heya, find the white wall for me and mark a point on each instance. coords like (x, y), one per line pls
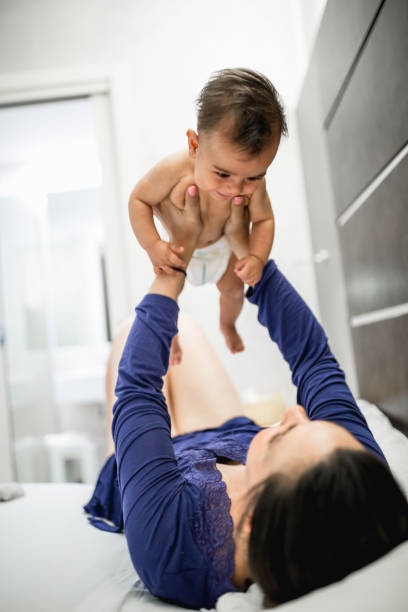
(167, 50)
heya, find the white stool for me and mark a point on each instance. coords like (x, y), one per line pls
(71, 446)
(32, 460)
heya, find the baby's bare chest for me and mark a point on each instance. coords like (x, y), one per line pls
(213, 214)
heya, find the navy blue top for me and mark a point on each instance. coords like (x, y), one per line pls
(167, 494)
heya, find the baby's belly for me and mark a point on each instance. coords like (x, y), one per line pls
(205, 240)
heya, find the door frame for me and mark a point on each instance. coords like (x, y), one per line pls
(112, 82)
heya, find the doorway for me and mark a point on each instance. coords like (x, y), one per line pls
(53, 285)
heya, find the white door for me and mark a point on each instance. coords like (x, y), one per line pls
(57, 273)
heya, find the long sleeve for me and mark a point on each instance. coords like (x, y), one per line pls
(157, 502)
(321, 386)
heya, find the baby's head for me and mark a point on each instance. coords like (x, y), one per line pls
(240, 122)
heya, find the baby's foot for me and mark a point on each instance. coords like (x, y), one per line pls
(237, 230)
(175, 352)
(232, 338)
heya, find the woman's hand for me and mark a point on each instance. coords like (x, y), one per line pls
(184, 224)
(185, 227)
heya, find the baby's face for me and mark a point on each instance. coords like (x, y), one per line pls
(224, 171)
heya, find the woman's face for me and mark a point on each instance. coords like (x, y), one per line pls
(293, 445)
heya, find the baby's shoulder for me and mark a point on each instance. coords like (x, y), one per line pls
(176, 165)
(183, 167)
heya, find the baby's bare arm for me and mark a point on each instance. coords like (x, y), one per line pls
(150, 191)
(263, 224)
(249, 269)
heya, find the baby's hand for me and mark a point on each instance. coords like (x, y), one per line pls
(164, 258)
(249, 269)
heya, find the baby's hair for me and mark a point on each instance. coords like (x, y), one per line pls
(250, 100)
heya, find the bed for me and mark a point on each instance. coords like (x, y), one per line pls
(51, 559)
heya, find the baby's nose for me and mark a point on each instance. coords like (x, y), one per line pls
(236, 188)
(248, 189)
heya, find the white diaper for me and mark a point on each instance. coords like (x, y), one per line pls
(208, 264)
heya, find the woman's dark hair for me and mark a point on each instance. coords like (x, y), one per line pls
(337, 516)
(252, 102)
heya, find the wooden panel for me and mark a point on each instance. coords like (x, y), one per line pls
(343, 29)
(329, 274)
(375, 247)
(381, 351)
(371, 122)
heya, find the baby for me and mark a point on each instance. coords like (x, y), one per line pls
(240, 122)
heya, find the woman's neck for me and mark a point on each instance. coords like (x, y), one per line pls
(235, 481)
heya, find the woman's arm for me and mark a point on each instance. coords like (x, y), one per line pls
(322, 389)
(153, 492)
(150, 483)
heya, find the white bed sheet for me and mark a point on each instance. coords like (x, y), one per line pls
(52, 560)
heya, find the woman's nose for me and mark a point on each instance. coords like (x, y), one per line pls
(295, 414)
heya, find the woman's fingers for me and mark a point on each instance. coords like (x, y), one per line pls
(174, 259)
(176, 249)
(192, 214)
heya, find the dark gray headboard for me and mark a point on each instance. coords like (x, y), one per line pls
(353, 124)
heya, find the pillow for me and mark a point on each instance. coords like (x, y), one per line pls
(393, 442)
(380, 586)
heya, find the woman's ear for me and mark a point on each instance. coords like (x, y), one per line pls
(246, 526)
(192, 139)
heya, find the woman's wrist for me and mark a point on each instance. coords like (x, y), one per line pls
(167, 285)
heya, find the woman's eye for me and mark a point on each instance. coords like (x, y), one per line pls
(254, 178)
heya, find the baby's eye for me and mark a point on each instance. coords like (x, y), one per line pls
(222, 174)
(254, 178)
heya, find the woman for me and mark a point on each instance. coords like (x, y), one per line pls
(292, 507)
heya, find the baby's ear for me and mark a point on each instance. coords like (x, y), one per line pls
(192, 139)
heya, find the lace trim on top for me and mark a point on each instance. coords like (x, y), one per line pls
(212, 523)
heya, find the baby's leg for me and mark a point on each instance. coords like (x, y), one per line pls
(231, 299)
(200, 389)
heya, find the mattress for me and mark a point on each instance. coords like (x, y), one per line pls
(52, 559)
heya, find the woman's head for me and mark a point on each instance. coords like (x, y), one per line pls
(293, 445)
(311, 529)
